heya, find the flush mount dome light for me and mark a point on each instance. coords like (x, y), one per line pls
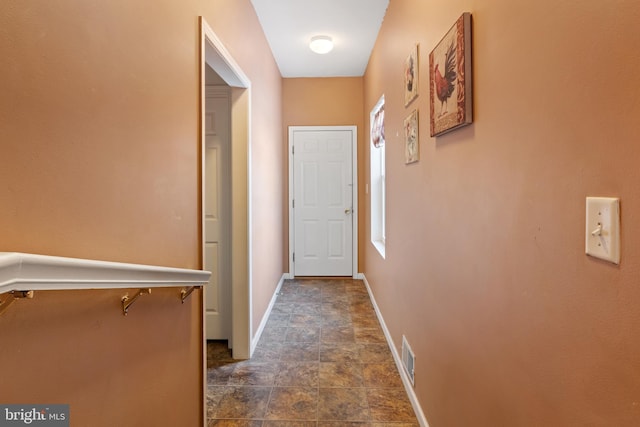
(321, 44)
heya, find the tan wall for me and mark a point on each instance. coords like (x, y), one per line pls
(321, 102)
(77, 348)
(99, 159)
(512, 325)
(99, 122)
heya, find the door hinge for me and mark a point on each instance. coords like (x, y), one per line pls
(294, 257)
(293, 203)
(293, 149)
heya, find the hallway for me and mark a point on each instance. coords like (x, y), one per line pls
(322, 361)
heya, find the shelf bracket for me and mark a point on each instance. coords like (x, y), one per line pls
(12, 297)
(126, 301)
(184, 294)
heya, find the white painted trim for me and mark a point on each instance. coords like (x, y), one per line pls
(265, 317)
(249, 221)
(19, 271)
(220, 60)
(241, 224)
(396, 357)
(292, 228)
(355, 209)
(354, 194)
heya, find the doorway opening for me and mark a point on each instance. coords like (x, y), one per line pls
(213, 54)
(216, 190)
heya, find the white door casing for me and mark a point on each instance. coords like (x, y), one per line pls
(217, 201)
(323, 201)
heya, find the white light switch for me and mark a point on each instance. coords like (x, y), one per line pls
(602, 238)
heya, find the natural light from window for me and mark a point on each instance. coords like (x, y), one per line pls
(378, 184)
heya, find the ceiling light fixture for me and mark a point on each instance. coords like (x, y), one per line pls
(321, 44)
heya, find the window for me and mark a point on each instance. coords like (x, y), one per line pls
(378, 179)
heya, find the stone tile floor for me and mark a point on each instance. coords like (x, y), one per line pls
(321, 361)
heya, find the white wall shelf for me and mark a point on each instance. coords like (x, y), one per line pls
(22, 272)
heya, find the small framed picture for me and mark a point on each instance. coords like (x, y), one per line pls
(411, 76)
(411, 140)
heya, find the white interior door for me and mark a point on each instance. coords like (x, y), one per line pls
(216, 211)
(323, 202)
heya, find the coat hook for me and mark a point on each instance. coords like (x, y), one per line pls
(184, 294)
(13, 296)
(126, 302)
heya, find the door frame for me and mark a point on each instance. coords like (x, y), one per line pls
(354, 193)
(213, 53)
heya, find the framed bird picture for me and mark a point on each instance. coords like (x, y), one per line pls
(411, 140)
(450, 79)
(411, 76)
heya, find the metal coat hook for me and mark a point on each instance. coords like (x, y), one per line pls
(184, 294)
(126, 302)
(13, 296)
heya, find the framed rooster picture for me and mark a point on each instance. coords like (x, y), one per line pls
(450, 79)
(411, 76)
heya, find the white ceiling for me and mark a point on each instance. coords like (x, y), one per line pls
(290, 24)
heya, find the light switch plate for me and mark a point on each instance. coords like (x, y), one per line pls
(602, 234)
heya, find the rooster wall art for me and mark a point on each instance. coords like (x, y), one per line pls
(450, 79)
(411, 76)
(445, 83)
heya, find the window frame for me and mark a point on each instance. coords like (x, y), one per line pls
(377, 168)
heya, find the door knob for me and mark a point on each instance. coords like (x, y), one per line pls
(347, 211)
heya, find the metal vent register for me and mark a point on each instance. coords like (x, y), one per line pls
(408, 359)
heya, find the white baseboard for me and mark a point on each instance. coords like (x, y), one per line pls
(265, 317)
(396, 357)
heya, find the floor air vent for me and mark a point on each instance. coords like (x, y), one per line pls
(408, 359)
